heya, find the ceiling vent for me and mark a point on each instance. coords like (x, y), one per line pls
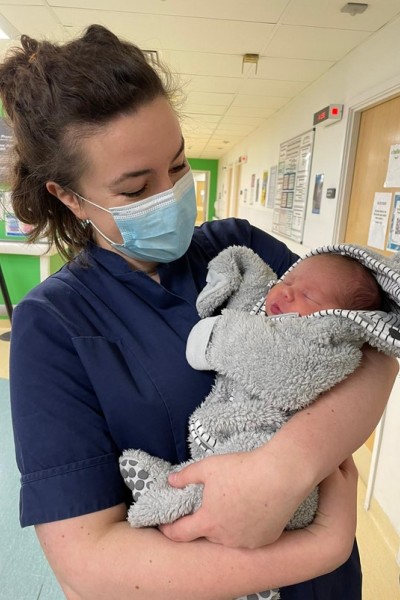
(354, 8)
(250, 59)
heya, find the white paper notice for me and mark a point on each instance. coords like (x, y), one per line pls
(393, 170)
(379, 220)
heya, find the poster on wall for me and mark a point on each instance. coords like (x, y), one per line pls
(293, 176)
(264, 188)
(6, 141)
(394, 233)
(13, 228)
(273, 172)
(252, 188)
(393, 169)
(317, 196)
(379, 220)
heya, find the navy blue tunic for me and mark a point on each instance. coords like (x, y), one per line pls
(98, 366)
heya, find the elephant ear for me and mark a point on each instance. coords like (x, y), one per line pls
(237, 278)
(379, 328)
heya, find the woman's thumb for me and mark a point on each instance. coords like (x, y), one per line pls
(187, 475)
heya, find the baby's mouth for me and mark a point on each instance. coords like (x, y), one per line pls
(275, 310)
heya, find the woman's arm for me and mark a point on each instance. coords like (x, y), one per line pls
(98, 556)
(248, 498)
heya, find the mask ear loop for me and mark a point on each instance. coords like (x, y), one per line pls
(103, 235)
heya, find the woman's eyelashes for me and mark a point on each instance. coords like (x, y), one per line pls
(178, 167)
(138, 193)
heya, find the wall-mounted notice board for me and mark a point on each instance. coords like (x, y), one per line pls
(292, 185)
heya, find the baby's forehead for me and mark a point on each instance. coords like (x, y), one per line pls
(323, 262)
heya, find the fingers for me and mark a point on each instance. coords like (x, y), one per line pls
(338, 492)
(348, 468)
(191, 474)
(185, 529)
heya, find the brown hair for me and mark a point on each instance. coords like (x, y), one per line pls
(55, 95)
(362, 291)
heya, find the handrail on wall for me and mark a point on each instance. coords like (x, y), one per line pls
(5, 294)
(7, 301)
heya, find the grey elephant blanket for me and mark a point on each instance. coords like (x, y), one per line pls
(267, 368)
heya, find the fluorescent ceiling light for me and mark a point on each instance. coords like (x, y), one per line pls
(7, 31)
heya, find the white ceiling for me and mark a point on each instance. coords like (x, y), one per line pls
(204, 41)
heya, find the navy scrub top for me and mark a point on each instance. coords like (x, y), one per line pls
(98, 366)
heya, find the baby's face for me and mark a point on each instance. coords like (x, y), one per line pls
(312, 286)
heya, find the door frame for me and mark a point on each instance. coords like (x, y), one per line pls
(349, 154)
(344, 192)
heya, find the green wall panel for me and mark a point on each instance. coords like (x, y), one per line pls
(56, 262)
(211, 165)
(21, 273)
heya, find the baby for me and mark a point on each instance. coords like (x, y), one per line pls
(323, 282)
(267, 368)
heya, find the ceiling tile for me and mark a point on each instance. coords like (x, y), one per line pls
(204, 63)
(200, 119)
(291, 69)
(327, 13)
(261, 11)
(259, 101)
(209, 98)
(202, 110)
(248, 111)
(202, 83)
(175, 33)
(36, 21)
(313, 43)
(272, 87)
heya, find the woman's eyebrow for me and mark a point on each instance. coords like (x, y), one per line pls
(141, 172)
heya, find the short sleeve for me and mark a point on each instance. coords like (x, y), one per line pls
(67, 460)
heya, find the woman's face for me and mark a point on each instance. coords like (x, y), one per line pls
(133, 157)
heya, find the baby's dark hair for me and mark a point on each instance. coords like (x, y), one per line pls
(55, 96)
(362, 291)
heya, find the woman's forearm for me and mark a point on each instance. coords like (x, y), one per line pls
(98, 556)
(284, 471)
(321, 436)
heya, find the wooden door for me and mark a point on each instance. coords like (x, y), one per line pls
(201, 189)
(379, 130)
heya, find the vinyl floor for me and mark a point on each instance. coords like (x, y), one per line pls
(25, 575)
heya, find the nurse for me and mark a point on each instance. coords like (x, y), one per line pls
(98, 353)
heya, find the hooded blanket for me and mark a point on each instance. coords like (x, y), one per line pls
(267, 368)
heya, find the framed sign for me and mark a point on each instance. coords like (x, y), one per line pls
(292, 185)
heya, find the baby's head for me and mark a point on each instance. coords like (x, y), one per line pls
(322, 282)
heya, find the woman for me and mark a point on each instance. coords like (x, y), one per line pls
(98, 352)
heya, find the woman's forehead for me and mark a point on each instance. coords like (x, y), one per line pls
(139, 140)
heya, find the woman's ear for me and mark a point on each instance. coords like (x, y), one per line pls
(68, 198)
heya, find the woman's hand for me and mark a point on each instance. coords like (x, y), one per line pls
(337, 508)
(248, 499)
(333, 528)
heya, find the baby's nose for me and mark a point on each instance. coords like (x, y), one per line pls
(289, 293)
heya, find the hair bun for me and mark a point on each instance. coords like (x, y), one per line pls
(30, 47)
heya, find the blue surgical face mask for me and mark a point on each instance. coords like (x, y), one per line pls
(159, 228)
